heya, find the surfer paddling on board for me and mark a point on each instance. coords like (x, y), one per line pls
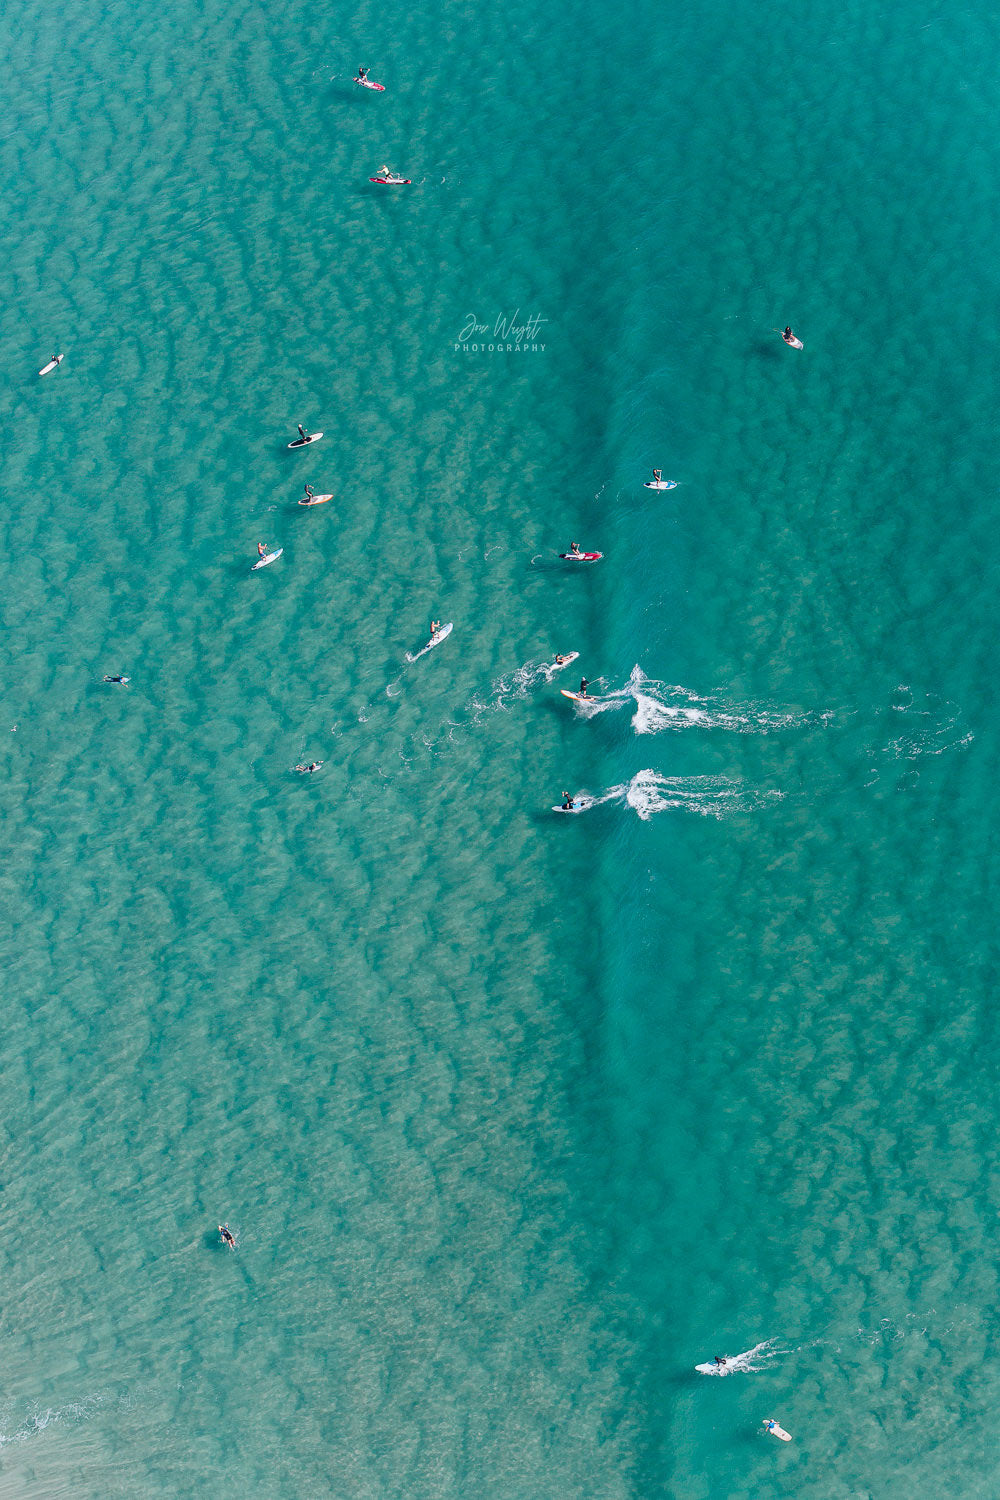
(561, 660)
(122, 680)
(227, 1236)
(435, 627)
(583, 688)
(574, 547)
(302, 433)
(261, 549)
(313, 765)
(657, 475)
(789, 336)
(309, 491)
(362, 74)
(567, 802)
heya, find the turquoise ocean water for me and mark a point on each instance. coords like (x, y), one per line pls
(518, 1117)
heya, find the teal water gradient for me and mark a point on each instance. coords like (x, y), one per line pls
(518, 1117)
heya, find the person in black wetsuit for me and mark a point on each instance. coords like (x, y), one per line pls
(583, 688)
(362, 75)
(302, 433)
(122, 680)
(568, 803)
(720, 1360)
(227, 1236)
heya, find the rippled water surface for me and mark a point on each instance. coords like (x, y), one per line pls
(517, 1117)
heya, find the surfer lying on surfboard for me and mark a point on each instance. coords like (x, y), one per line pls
(576, 554)
(227, 1236)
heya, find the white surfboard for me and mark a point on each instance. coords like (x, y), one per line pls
(315, 500)
(778, 1432)
(313, 437)
(53, 364)
(660, 484)
(576, 697)
(269, 557)
(435, 640)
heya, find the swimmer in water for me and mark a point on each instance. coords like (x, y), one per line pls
(567, 802)
(122, 680)
(227, 1236)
